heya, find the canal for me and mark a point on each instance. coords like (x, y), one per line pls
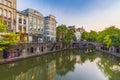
(64, 65)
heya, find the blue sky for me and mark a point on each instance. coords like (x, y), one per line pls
(91, 14)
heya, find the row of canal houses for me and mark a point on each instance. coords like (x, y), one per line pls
(29, 23)
(34, 27)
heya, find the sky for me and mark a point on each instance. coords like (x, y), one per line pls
(91, 14)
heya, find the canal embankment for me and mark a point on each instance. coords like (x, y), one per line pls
(27, 50)
(111, 50)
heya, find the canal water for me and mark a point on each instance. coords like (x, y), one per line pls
(64, 65)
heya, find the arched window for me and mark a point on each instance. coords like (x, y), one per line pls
(5, 13)
(9, 14)
(9, 4)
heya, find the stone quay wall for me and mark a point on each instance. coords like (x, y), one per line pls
(29, 48)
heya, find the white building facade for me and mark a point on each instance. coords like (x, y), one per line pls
(77, 34)
(35, 25)
(50, 28)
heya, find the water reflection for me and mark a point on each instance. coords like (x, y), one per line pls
(64, 65)
(109, 65)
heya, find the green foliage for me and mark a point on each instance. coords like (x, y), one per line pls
(2, 26)
(110, 36)
(64, 34)
(108, 31)
(8, 39)
(108, 41)
(61, 31)
(85, 35)
(115, 40)
(89, 36)
(68, 37)
(92, 35)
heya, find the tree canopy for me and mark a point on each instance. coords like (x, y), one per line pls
(6, 38)
(108, 31)
(61, 31)
(110, 36)
(64, 34)
(2, 25)
(89, 36)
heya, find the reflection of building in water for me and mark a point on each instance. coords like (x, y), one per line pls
(51, 70)
(46, 71)
(31, 69)
(78, 59)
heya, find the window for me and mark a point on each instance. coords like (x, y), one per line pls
(0, 11)
(38, 21)
(41, 29)
(30, 18)
(9, 4)
(34, 20)
(24, 22)
(24, 29)
(20, 20)
(38, 28)
(35, 27)
(9, 14)
(5, 13)
(9, 24)
(30, 26)
(20, 29)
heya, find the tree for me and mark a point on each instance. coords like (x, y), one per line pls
(92, 35)
(2, 26)
(9, 39)
(61, 31)
(68, 37)
(108, 41)
(110, 36)
(6, 39)
(108, 31)
(85, 35)
(115, 38)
